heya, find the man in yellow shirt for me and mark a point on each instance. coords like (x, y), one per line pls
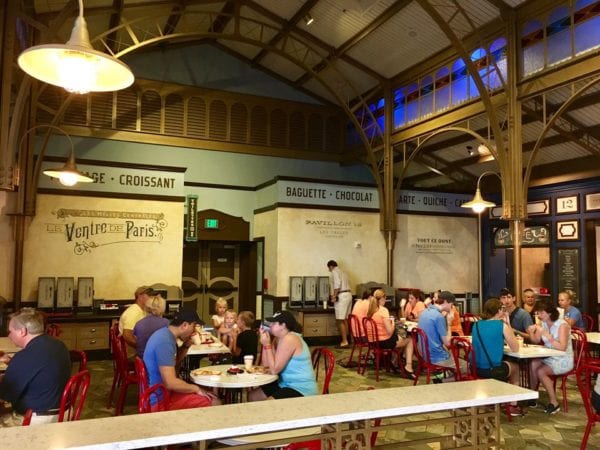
(132, 315)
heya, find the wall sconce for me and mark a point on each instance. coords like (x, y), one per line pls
(68, 175)
(478, 204)
(308, 19)
(76, 66)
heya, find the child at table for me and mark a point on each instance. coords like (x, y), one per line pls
(228, 330)
(219, 317)
(245, 341)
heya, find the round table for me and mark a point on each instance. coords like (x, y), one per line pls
(235, 383)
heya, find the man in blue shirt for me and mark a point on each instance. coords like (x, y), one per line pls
(36, 376)
(161, 356)
(436, 326)
(518, 319)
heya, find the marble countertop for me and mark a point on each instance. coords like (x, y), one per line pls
(593, 337)
(7, 346)
(164, 428)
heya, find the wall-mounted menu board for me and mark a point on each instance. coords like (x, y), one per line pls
(568, 270)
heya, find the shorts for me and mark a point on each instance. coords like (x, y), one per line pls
(390, 342)
(187, 401)
(274, 390)
(343, 306)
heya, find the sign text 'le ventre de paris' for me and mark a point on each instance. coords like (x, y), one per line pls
(366, 197)
(128, 180)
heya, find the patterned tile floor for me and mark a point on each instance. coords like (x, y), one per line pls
(535, 431)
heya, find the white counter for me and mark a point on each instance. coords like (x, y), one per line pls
(146, 430)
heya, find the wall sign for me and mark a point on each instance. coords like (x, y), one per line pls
(535, 208)
(567, 205)
(191, 229)
(536, 236)
(592, 202)
(306, 193)
(567, 230)
(568, 269)
(124, 180)
(86, 230)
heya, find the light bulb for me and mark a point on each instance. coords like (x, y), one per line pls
(68, 178)
(478, 208)
(77, 71)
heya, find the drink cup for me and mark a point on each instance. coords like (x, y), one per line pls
(402, 321)
(196, 339)
(248, 361)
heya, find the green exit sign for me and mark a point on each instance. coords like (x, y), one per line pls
(212, 224)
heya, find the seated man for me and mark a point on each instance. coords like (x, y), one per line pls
(36, 376)
(518, 318)
(438, 330)
(142, 330)
(161, 356)
(133, 315)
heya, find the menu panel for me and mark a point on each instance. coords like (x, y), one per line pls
(568, 270)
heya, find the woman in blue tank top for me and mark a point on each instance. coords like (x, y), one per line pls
(291, 360)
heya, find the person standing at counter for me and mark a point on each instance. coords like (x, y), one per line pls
(342, 298)
(162, 356)
(133, 315)
(291, 361)
(36, 376)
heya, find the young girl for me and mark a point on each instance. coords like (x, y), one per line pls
(219, 317)
(228, 330)
(245, 341)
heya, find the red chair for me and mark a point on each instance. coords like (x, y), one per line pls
(581, 355)
(72, 401)
(78, 357)
(374, 349)
(142, 375)
(462, 349)
(468, 319)
(589, 322)
(127, 375)
(53, 330)
(421, 350)
(585, 378)
(160, 393)
(359, 341)
(113, 334)
(328, 365)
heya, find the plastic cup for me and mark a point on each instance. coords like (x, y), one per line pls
(248, 361)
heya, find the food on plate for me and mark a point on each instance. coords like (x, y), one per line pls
(234, 370)
(206, 372)
(258, 369)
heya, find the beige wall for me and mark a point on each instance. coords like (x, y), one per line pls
(121, 243)
(7, 244)
(299, 242)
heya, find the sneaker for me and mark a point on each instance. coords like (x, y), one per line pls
(514, 411)
(531, 404)
(552, 409)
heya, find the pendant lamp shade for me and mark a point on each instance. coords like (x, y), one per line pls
(68, 175)
(478, 204)
(76, 66)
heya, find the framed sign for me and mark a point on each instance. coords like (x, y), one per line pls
(46, 290)
(592, 202)
(568, 269)
(567, 230)
(567, 205)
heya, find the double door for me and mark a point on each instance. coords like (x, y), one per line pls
(211, 270)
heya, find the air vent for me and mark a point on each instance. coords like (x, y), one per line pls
(238, 130)
(151, 108)
(278, 128)
(297, 130)
(217, 120)
(196, 126)
(174, 115)
(126, 110)
(101, 110)
(258, 126)
(315, 132)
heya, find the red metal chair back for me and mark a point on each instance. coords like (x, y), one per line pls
(142, 375)
(585, 377)
(157, 392)
(421, 351)
(374, 349)
(328, 358)
(78, 357)
(462, 349)
(53, 330)
(358, 340)
(468, 319)
(589, 322)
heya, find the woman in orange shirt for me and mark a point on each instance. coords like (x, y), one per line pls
(414, 307)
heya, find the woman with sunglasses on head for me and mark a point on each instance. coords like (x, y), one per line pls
(553, 333)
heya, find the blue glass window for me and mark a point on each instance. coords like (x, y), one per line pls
(532, 44)
(426, 96)
(480, 61)
(497, 73)
(558, 36)
(412, 102)
(587, 25)
(399, 108)
(460, 89)
(442, 89)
